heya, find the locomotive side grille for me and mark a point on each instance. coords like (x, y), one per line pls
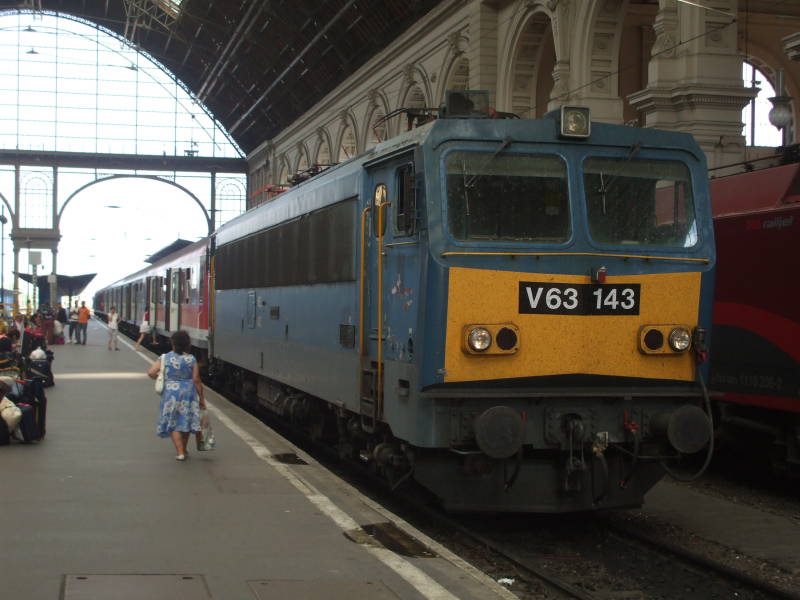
(316, 248)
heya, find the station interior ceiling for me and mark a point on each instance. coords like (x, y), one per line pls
(258, 65)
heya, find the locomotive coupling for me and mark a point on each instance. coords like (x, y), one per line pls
(686, 429)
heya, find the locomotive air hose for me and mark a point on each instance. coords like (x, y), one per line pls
(710, 452)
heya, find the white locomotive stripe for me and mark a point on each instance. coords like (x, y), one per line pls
(418, 579)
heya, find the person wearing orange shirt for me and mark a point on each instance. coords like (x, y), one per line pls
(83, 322)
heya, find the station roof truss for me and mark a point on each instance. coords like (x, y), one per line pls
(257, 65)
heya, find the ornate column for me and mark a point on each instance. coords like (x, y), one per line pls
(563, 31)
(482, 49)
(590, 33)
(695, 78)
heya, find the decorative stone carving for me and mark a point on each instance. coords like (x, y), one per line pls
(665, 45)
(456, 40)
(373, 98)
(409, 74)
(791, 46)
(666, 28)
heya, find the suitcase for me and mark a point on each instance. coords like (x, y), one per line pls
(41, 369)
(27, 426)
(31, 393)
(5, 434)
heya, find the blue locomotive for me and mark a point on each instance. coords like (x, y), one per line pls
(512, 313)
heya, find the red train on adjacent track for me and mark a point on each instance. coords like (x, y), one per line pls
(755, 358)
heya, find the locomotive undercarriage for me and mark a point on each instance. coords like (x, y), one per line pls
(745, 427)
(527, 455)
(559, 454)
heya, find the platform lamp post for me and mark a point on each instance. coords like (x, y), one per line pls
(3, 221)
(780, 115)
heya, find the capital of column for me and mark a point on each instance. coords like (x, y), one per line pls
(691, 97)
(791, 46)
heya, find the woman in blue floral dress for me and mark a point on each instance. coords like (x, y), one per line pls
(182, 396)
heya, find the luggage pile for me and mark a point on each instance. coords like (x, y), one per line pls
(23, 410)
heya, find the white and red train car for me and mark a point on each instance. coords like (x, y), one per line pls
(173, 290)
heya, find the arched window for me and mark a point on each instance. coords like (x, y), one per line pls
(36, 191)
(376, 128)
(758, 131)
(323, 153)
(283, 174)
(347, 149)
(302, 164)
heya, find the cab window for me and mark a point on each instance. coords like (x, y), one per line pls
(406, 202)
(640, 202)
(507, 197)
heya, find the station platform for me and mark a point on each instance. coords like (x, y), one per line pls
(101, 509)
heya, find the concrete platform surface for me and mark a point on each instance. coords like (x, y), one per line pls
(102, 505)
(753, 532)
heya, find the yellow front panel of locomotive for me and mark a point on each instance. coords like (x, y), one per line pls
(560, 344)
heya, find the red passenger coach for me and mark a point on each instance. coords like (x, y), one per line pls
(755, 360)
(173, 290)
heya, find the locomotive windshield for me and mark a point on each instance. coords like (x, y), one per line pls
(640, 202)
(507, 197)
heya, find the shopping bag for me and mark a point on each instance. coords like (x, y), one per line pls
(205, 439)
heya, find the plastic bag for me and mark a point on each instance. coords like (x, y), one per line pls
(205, 439)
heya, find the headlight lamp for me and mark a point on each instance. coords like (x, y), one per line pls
(680, 339)
(479, 339)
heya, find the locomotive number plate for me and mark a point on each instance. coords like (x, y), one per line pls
(578, 298)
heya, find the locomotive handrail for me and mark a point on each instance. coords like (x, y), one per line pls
(379, 385)
(602, 254)
(364, 212)
(411, 243)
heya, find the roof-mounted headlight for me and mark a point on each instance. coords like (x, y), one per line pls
(576, 121)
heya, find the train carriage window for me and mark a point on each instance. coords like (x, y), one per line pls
(640, 202)
(406, 202)
(189, 291)
(201, 282)
(507, 197)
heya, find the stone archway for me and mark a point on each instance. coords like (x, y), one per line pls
(153, 177)
(322, 156)
(529, 80)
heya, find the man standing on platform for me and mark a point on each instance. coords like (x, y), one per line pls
(73, 324)
(83, 322)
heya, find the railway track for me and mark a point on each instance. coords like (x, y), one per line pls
(608, 561)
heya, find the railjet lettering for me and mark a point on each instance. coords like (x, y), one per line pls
(778, 223)
(541, 298)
